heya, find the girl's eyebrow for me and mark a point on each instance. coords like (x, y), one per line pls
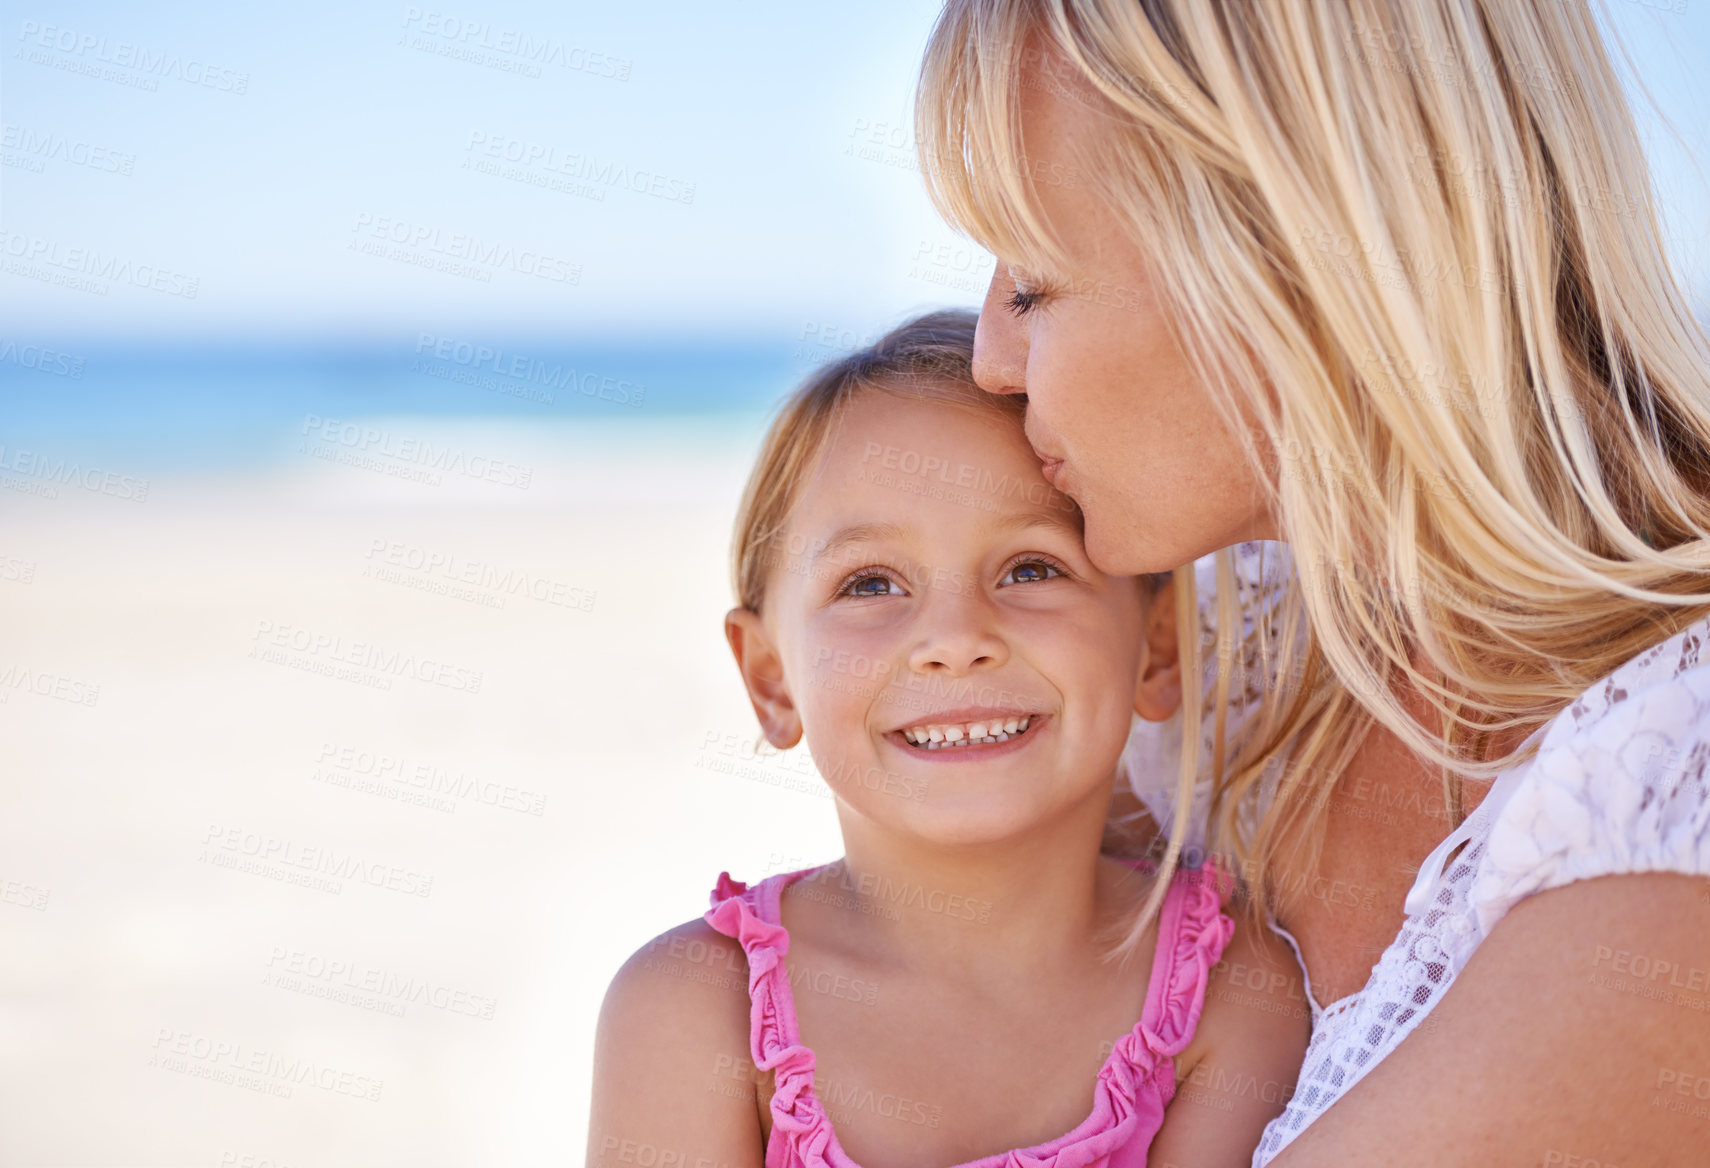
(1009, 524)
(857, 533)
(1024, 520)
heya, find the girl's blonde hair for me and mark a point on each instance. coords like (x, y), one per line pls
(1415, 242)
(929, 356)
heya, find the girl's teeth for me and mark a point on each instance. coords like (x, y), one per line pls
(939, 737)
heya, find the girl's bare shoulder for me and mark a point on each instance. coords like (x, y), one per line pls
(672, 1066)
(1256, 1014)
(690, 975)
(1239, 1070)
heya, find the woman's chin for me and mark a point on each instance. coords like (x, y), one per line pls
(1113, 551)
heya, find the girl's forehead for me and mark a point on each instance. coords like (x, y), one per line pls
(883, 441)
(908, 462)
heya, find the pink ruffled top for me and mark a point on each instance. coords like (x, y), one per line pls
(1134, 1086)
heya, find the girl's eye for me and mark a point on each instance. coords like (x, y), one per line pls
(1031, 572)
(868, 585)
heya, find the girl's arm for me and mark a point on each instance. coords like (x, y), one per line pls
(1239, 1070)
(674, 1082)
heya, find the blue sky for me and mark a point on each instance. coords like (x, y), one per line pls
(767, 141)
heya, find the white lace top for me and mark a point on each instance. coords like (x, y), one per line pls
(1618, 785)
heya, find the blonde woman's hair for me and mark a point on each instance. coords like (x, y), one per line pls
(1415, 242)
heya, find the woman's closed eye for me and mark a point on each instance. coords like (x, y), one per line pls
(1022, 301)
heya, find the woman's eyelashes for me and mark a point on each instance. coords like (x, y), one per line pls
(1021, 301)
(1028, 291)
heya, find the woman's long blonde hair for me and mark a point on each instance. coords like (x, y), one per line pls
(1415, 242)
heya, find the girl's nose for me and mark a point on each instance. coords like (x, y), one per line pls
(957, 637)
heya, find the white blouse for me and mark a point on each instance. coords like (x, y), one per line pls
(1618, 785)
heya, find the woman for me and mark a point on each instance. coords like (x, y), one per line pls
(1383, 280)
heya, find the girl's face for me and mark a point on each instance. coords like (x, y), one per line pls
(932, 588)
(1114, 409)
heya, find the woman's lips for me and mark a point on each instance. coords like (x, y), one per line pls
(1049, 468)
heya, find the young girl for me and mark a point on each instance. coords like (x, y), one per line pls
(916, 602)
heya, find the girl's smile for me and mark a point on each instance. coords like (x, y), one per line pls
(956, 737)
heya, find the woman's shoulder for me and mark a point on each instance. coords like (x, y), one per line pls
(1620, 783)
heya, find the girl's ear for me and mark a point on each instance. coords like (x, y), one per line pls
(1158, 688)
(763, 673)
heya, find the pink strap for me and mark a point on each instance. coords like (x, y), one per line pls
(751, 916)
(1192, 932)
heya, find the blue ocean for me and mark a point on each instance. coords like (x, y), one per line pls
(196, 408)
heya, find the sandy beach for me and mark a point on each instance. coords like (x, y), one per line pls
(340, 793)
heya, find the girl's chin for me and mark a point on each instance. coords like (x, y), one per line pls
(970, 820)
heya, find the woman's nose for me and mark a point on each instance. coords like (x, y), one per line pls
(1000, 341)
